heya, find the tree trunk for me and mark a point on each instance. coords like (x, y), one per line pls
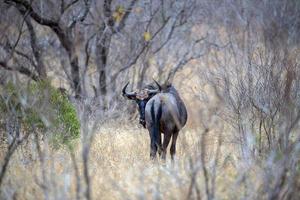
(41, 69)
(68, 44)
(102, 50)
(142, 74)
(64, 35)
(75, 75)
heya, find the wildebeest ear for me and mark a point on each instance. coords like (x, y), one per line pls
(157, 84)
(167, 83)
(151, 92)
(129, 95)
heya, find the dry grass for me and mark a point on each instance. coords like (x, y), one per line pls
(120, 168)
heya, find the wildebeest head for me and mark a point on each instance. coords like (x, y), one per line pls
(141, 97)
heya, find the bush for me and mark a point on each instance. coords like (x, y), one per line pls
(41, 108)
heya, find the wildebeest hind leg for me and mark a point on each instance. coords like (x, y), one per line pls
(166, 141)
(155, 143)
(153, 148)
(173, 145)
(159, 145)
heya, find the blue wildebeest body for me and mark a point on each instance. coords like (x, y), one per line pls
(164, 113)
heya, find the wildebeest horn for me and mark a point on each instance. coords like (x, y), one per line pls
(130, 95)
(155, 91)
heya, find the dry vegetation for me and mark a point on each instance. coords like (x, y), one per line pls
(120, 168)
(67, 133)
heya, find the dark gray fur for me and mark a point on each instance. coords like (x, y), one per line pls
(165, 113)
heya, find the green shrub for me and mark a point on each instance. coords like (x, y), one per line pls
(41, 107)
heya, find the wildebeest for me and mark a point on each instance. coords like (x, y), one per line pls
(161, 111)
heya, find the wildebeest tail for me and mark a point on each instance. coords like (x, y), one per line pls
(155, 116)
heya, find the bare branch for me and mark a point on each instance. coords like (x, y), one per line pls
(22, 70)
(40, 67)
(25, 6)
(126, 15)
(131, 62)
(70, 5)
(15, 143)
(62, 6)
(81, 17)
(26, 56)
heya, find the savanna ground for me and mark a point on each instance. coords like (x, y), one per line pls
(210, 163)
(214, 160)
(120, 167)
(119, 160)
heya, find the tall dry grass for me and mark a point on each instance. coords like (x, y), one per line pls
(208, 165)
(120, 168)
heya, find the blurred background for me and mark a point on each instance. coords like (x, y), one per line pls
(66, 132)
